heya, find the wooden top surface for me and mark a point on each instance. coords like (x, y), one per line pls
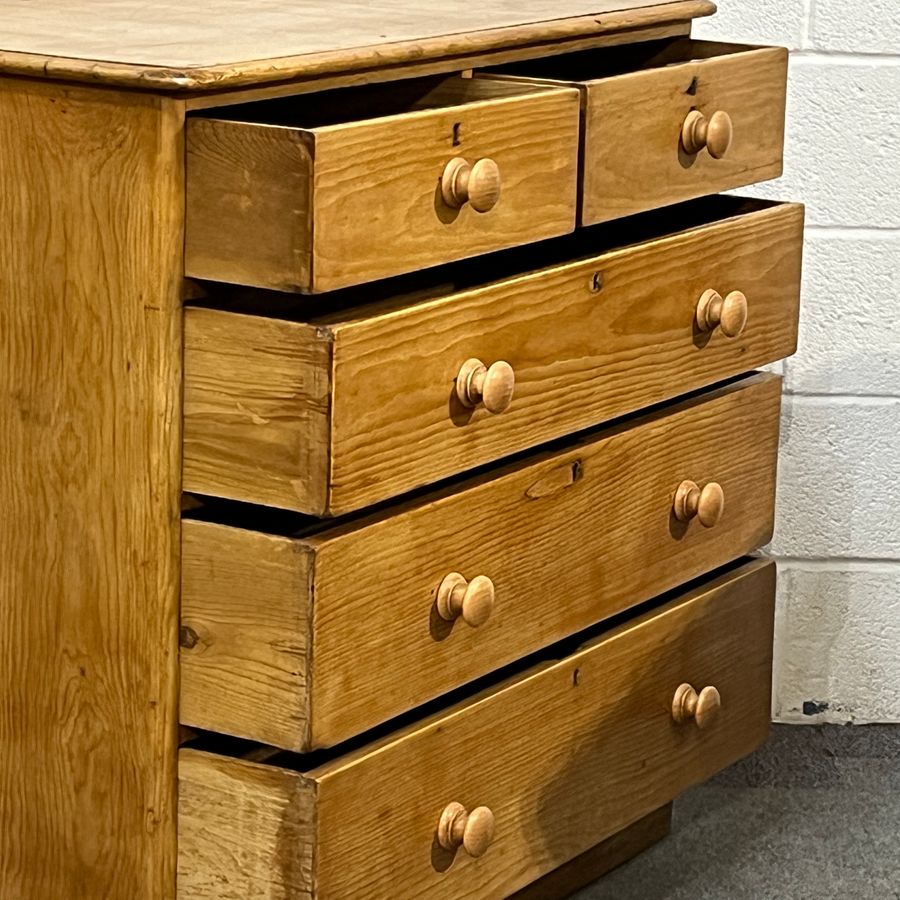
(179, 45)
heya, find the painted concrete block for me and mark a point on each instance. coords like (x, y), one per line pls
(869, 27)
(849, 323)
(837, 643)
(839, 478)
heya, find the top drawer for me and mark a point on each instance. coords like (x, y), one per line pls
(670, 120)
(327, 190)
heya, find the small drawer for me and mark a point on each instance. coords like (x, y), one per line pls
(317, 192)
(302, 639)
(328, 414)
(482, 798)
(669, 120)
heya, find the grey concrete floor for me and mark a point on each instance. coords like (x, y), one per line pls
(813, 815)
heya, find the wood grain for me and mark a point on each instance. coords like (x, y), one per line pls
(589, 747)
(256, 406)
(632, 123)
(636, 102)
(249, 203)
(580, 357)
(91, 206)
(378, 647)
(259, 646)
(318, 208)
(244, 831)
(399, 71)
(203, 45)
(596, 862)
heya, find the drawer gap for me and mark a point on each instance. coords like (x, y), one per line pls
(595, 64)
(342, 106)
(387, 295)
(287, 523)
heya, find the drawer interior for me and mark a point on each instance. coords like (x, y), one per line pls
(594, 65)
(344, 106)
(383, 296)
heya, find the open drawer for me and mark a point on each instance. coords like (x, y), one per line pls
(302, 634)
(329, 412)
(534, 770)
(321, 191)
(670, 120)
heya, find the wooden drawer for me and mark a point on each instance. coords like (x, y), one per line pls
(332, 413)
(561, 756)
(317, 192)
(641, 150)
(304, 640)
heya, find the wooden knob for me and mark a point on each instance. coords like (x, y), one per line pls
(729, 315)
(473, 831)
(714, 133)
(707, 504)
(472, 600)
(493, 386)
(477, 185)
(702, 708)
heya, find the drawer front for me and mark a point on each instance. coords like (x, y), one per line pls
(587, 341)
(547, 547)
(561, 756)
(325, 207)
(634, 156)
(669, 120)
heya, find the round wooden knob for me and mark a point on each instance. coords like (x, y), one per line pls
(493, 386)
(714, 133)
(473, 601)
(729, 315)
(473, 831)
(707, 504)
(478, 185)
(702, 708)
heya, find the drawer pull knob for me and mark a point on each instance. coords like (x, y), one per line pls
(702, 708)
(473, 600)
(478, 185)
(707, 504)
(473, 831)
(714, 133)
(491, 385)
(728, 314)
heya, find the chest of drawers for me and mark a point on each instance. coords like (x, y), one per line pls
(383, 445)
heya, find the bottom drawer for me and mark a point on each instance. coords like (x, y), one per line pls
(554, 759)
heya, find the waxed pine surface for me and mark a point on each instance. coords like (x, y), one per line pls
(188, 33)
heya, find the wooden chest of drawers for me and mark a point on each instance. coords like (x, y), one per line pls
(383, 443)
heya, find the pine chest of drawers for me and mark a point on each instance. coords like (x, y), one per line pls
(383, 446)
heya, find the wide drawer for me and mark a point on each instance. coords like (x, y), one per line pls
(317, 192)
(331, 413)
(669, 120)
(556, 759)
(304, 640)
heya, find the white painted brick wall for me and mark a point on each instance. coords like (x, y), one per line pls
(837, 535)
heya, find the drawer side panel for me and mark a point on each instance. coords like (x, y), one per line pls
(257, 409)
(244, 830)
(245, 620)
